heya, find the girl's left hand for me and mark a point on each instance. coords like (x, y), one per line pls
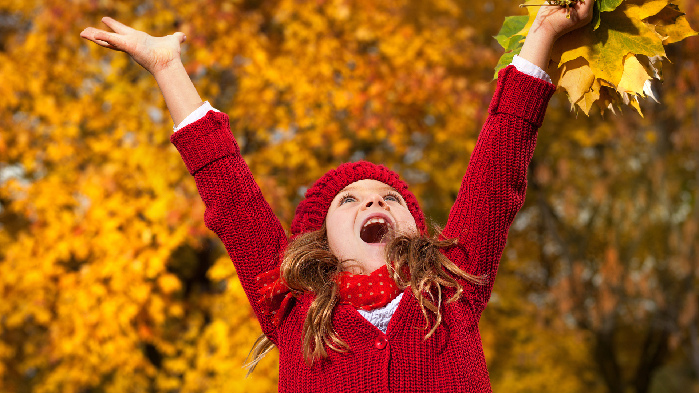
(557, 21)
(550, 24)
(152, 53)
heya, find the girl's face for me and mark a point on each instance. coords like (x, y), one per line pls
(358, 218)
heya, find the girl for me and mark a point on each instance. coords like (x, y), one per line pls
(360, 298)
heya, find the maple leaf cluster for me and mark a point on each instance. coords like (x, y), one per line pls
(613, 60)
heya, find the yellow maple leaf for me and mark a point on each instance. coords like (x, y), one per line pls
(630, 28)
(621, 32)
(671, 23)
(677, 31)
(645, 9)
(576, 79)
(590, 97)
(634, 77)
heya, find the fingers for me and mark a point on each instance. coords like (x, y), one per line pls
(180, 36)
(101, 38)
(111, 38)
(583, 12)
(116, 25)
(584, 9)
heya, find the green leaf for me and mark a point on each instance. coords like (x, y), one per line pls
(596, 20)
(515, 44)
(511, 26)
(513, 49)
(608, 5)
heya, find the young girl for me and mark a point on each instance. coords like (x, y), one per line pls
(361, 298)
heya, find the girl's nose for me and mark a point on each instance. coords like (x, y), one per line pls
(375, 200)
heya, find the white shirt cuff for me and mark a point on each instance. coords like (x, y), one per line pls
(527, 67)
(196, 115)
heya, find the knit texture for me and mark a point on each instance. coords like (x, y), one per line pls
(400, 360)
(311, 212)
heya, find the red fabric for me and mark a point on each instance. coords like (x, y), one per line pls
(276, 298)
(361, 291)
(367, 292)
(491, 193)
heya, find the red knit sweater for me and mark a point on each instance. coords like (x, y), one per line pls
(401, 360)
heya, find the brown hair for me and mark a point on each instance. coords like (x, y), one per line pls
(308, 265)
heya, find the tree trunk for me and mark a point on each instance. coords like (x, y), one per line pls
(655, 349)
(605, 355)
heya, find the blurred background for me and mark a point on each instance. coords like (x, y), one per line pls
(111, 283)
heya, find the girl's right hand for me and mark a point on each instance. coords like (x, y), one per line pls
(152, 53)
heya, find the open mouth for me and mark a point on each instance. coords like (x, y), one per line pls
(374, 230)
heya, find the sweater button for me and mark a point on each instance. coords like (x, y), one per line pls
(380, 342)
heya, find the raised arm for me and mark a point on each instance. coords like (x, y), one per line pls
(494, 186)
(235, 208)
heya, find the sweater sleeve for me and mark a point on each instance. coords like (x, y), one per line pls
(493, 188)
(196, 115)
(235, 208)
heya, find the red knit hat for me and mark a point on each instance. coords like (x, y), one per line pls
(311, 212)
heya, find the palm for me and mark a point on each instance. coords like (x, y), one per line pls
(152, 53)
(155, 53)
(561, 21)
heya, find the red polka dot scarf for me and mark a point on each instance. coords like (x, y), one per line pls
(364, 292)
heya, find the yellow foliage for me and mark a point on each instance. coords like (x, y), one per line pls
(102, 239)
(110, 280)
(610, 48)
(577, 79)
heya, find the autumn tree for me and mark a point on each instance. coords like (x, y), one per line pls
(607, 243)
(110, 281)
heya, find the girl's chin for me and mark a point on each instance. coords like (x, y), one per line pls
(375, 250)
(375, 244)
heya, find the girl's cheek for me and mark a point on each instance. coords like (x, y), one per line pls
(407, 226)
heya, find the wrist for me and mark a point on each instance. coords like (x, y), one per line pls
(180, 95)
(537, 51)
(543, 32)
(174, 66)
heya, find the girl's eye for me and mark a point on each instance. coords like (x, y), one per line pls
(392, 197)
(347, 198)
